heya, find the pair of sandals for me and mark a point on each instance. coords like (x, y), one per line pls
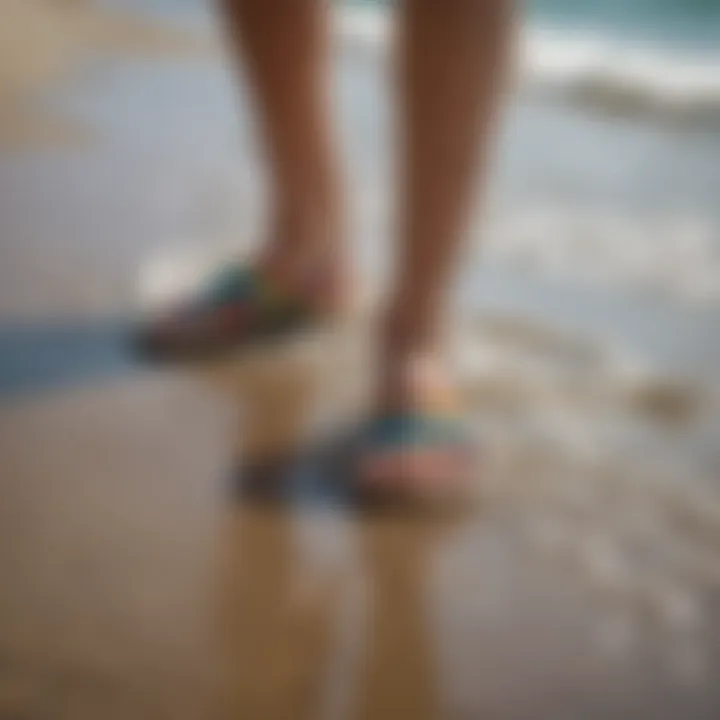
(417, 455)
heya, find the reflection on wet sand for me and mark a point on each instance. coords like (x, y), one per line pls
(280, 642)
(282, 624)
(400, 671)
(274, 642)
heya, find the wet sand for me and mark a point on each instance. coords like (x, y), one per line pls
(136, 581)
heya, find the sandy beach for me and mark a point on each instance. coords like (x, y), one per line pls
(43, 42)
(133, 581)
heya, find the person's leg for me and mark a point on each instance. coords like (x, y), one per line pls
(285, 46)
(452, 66)
(300, 272)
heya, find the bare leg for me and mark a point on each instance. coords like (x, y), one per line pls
(285, 46)
(452, 65)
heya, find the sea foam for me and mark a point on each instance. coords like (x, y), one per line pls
(589, 67)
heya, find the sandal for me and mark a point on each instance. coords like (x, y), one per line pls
(415, 458)
(237, 307)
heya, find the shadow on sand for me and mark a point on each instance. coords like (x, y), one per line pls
(39, 356)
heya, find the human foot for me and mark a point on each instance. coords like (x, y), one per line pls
(243, 303)
(417, 448)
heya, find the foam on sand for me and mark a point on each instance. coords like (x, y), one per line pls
(672, 252)
(604, 465)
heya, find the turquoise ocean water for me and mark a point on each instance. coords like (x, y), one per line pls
(694, 21)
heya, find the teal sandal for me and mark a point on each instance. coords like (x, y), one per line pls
(415, 458)
(237, 307)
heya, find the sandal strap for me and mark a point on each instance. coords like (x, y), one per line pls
(416, 428)
(230, 283)
(238, 285)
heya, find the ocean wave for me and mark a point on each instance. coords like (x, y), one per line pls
(622, 76)
(589, 67)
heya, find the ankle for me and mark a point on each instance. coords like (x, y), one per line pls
(312, 220)
(407, 331)
(304, 237)
(411, 382)
(319, 274)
